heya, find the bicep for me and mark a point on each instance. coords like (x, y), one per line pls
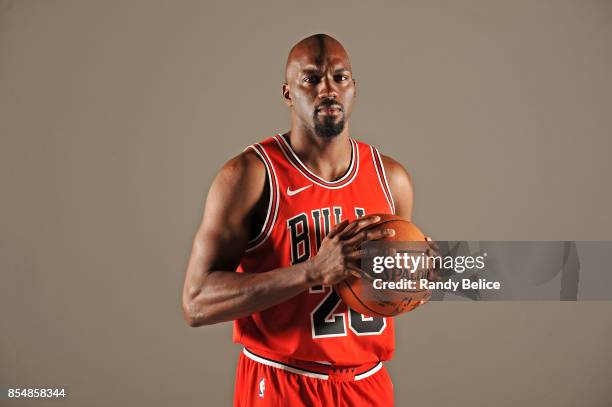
(221, 239)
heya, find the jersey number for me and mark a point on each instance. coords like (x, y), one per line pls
(325, 324)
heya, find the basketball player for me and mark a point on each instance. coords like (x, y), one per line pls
(282, 223)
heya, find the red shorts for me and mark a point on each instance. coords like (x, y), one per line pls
(268, 380)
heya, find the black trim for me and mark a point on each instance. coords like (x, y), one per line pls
(284, 364)
(369, 370)
(270, 218)
(294, 159)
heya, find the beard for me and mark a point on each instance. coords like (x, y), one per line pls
(328, 127)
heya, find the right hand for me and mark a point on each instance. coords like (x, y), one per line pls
(340, 251)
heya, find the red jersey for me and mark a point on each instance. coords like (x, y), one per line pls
(315, 325)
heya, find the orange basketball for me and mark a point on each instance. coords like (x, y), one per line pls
(362, 296)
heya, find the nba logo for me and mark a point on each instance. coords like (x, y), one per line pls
(262, 387)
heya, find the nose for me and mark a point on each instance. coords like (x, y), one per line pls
(327, 89)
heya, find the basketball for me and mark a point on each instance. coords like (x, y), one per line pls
(361, 295)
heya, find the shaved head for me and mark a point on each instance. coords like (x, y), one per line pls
(315, 48)
(319, 87)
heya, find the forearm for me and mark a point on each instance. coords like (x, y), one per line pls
(225, 296)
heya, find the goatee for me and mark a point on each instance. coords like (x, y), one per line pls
(328, 127)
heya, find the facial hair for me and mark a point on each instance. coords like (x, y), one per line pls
(327, 127)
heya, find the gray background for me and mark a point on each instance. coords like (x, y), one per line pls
(115, 115)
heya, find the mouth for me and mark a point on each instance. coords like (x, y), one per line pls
(333, 110)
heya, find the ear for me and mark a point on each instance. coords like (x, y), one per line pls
(355, 85)
(287, 95)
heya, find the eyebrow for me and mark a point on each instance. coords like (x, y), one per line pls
(310, 70)
(318, 71)
(342, 69)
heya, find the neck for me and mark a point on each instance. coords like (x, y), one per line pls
(328, 158)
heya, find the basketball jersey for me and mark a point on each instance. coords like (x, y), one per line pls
(315, 325)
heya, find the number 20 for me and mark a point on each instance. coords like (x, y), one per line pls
(322, 327)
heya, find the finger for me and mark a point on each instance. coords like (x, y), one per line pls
(357, 254)
(432, 276)
(365, 222)
(426, 299)
(431, 252)
(355, 274)
(354, 271)
(368, 235)
(368, 251)
(338, 228)
(360, 224)
(433, 244)
(379, 250)
(419, 274)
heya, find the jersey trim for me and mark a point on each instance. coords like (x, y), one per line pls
(295, 161)
(282, 366)
(272, 211)
(382, 178)
(292, 369)
(369, 373)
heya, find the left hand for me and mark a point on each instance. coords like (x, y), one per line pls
(433, 250)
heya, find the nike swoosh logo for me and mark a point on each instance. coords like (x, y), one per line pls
(297, 191)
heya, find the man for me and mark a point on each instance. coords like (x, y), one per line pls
(282, 223)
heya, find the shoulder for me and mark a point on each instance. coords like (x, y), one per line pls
(396, 173)
(245, 165)
(399, 179)
(393, 169)
(241, 178)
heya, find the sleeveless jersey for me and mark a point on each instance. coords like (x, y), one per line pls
(315, 325)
